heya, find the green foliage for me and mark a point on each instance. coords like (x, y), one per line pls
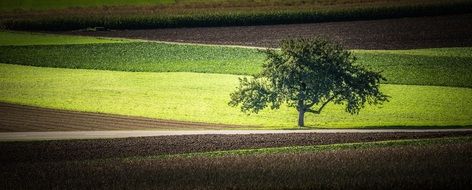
(308, 74)
(213, 17)
(203, 98)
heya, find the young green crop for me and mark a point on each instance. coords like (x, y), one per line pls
(439, 67)
(204, 97)
(138, 56)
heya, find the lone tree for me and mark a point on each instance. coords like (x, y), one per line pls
(307, 74)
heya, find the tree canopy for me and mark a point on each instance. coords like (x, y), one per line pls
(309, 73)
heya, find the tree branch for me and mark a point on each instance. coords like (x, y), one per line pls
(327, 101)
(321, 108)
(313, 111)
(310, 105)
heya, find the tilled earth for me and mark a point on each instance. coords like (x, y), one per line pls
(403, 33)
(69, 150)
(436, 166)
(18, 118)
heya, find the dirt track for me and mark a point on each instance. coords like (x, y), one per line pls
(404, 33)
(93, 134)
(17, 118)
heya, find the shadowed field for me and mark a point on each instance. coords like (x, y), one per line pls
(92, 149)
(440, 163)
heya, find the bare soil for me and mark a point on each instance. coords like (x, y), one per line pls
(438, 166)
(403, 33)
(69, 150)
(18, 118)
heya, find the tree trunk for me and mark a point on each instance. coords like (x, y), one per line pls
(301, 106)
(301, 118)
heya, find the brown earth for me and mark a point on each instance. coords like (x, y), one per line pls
(403, 33)
(18, 118)
(436, 166)
(70, 150)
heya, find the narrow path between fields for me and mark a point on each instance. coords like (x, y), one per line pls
(59, 135)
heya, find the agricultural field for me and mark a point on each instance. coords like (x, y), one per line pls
(387, 34)
(195, 82)
(61, 4)
(438, 67)
(66, 15)
(204, 97)
(353, 163)
(145, 65)
(25, 38)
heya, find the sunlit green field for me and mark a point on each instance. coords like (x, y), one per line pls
(204, 97)
(171, 81)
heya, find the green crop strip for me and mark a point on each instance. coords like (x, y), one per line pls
(139, 56)
(438, 67)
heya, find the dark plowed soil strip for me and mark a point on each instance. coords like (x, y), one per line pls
(444, 166)
(43, 151)
(405, 33)
(17, 118)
